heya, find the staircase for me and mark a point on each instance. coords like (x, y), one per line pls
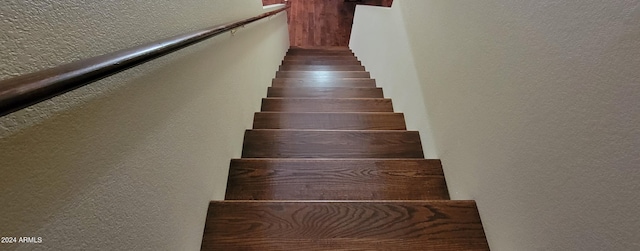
(328, 165)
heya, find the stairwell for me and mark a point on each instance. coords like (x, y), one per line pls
(328, 165)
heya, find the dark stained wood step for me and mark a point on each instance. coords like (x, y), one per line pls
(320, 62)
(336, 179)
(320, 82)
(320, 48)
(320, 53)
(322, 68)
(326, 105)
(265, 143)
(325, 92)
(362, 225)
(320, 57)
(322, 74)
(330, 121)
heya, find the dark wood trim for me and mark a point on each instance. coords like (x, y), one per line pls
(22, 91)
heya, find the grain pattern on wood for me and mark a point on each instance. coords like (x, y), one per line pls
(319, 82)
(264, 143)
(320, 22)
(324, 92)
(326, 105)
(320, 48)
(319, 57)
(331, 179)
(322, 74)
(322, 68)
(319, 53)
(320, 62)
(329, 121)
(365, 225)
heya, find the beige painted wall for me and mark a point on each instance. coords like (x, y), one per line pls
(380, 41)
(130, 162)
(534, 110)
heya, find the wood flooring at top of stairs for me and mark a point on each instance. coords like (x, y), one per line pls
(329, 165)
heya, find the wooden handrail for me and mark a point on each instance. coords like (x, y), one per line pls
(22, 91)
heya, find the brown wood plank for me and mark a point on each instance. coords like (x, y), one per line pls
(330, 121)
(319, 57)
(319, 53)
(326, 105)
(324, 92)
(363, 225)
(322, 74)
(263, 143)
(322, 68)
(320, 62)
(319, 82)
(331, 179)
(320, 22)
(320, 48)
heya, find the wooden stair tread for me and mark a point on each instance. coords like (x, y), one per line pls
(323, 74)
(319, 82)
(335, 179)
(305, 48)
(327, 105)
(319, 57)
(325, 92)
(349, 225)
(329, 121)
(321, 68)
(320, 53)
(320, 62)
(268, 143)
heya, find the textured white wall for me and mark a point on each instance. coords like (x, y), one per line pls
(534, 110)
(380, 41)
(129, 162)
